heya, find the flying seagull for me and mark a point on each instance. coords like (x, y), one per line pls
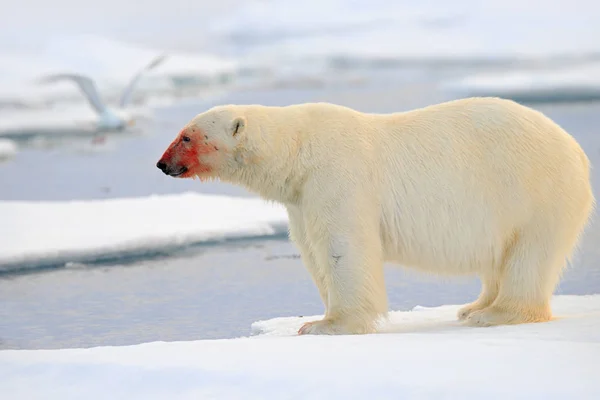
(108, 118)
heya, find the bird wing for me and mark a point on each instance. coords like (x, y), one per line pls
(126, 96)
(85, 84)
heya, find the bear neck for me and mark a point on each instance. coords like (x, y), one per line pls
(274, 175)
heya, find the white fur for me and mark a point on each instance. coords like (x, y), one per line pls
(479, 186)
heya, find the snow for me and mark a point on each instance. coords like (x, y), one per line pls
(112, 58)
(423, 353)
(578, 81)
(325, 38)
(309, 37)
(8, 149)
(325, 41)
(68, 120)
(42, 233)
(405, 29)
(110, 63)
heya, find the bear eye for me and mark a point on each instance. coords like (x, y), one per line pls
(186, 139)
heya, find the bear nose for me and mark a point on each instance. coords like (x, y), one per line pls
(161, 165)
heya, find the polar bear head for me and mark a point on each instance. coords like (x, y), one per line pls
(209, 146)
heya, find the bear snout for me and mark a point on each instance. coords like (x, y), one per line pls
(162, 166)
(171, 170)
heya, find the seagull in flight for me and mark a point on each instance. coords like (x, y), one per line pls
(108, 119)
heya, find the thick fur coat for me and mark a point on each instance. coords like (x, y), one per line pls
(478, 186)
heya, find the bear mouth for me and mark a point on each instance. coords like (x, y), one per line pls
(179, 172)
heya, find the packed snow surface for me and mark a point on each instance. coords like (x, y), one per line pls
(419, 354)
(37, 233)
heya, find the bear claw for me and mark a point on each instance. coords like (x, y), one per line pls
(464, 312)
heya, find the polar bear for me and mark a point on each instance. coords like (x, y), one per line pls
(475, 186)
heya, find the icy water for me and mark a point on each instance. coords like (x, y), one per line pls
(209, 291)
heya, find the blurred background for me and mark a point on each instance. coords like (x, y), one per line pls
(92, 92)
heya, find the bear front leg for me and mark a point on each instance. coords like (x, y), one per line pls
(350, 253)
(299, 237)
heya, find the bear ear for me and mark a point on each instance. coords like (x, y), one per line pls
(238, 125)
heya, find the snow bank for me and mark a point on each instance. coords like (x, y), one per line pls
(424, 353)
(313, 37)
(8, 149)
(579, 82)
(112, 64)
(42, 233)
(23, 124)
(115, 59)
(330, 41)
(408, 30)
(67, 121)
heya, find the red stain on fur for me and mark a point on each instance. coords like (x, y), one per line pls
(198, 149)
(204, 147)
(188, 154)
(189, 158)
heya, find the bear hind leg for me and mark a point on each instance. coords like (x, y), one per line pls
(489, 291)
(528, 279)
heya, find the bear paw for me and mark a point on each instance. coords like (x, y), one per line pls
(481, 317)
(336, 327)
(322, 327)
(467, 310)
(500, 316)
(464, 312)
